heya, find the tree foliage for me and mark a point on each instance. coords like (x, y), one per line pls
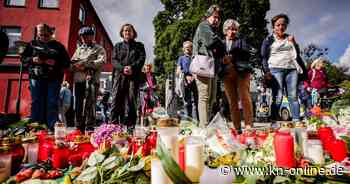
(180, 18)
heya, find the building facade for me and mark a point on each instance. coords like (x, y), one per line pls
(18, 19)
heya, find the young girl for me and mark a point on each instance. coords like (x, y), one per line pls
(317, 77)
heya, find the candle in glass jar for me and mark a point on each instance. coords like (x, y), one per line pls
(5, 163)
(33, 150)
(168, 136)
(158, 175)
(338, 150)
(314, 151)
(194, 161)
(284, 149)
(325, 133)
(60, 132)
(60, 157)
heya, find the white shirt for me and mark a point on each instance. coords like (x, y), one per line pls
(282, 54)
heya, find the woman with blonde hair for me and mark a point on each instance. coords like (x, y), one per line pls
(236, 76)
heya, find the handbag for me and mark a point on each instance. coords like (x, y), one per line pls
(203, 66)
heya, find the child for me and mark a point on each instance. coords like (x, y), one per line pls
(317, 79)
(64, 101)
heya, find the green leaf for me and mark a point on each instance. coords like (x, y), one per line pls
(281, 179)
(169, 165)
(140, 165)
(251, 179)
(88, 174)
(95, 158)
(109, 163)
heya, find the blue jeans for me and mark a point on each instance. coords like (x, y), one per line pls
(285, 79)
(45, 96)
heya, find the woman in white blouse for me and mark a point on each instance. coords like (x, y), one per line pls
(282, 64)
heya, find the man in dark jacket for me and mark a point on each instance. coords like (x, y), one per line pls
(46, 59)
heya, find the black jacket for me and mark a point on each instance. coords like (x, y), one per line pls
(128, 54)
(240, 51)
(53, 50)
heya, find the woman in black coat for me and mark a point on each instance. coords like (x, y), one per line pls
(128, 59)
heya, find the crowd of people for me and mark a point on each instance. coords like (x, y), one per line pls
(134, 85)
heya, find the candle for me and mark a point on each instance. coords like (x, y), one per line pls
(194, 161)
(338, 150)
(168, 136)
(60, 157)
(325, 132)
(158, 175)
(326, 136)
(284, 149)
(33, 149)
(315, 151)
(5, 163)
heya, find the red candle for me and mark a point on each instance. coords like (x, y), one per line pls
(41, 135)
(261, 137)
(326, 136)
(45, 149)
(338, 150)
(137, 144)
(182, 157)
(60, 157)
(152, 139)
(284, 149)
(325, 132)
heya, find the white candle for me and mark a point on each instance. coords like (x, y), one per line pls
(158, 175)
(194, 161)
(33, 149)
(315, 151)
(169, 137)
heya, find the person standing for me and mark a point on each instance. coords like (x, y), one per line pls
(236, 76)
(190, 94)
(148, 98)
(87, 64)
(46, 59)
(282, 64)
(128, 59)
(207, 42)
(65, 101)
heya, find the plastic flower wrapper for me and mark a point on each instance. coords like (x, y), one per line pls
(105, 133)
(219, 138)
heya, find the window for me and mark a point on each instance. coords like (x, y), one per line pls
(49, 3)
(14, 34)
(15, 2)
(82, 14)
